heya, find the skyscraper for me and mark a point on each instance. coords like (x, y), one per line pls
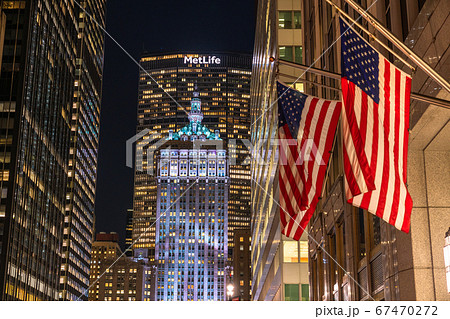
(36, 96)
(85, 129)
(223, 80)
(279, 269)
(192, 214)
(49, 104)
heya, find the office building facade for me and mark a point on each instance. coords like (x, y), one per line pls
(105, 250)
(192, 213)
(352, 255)
(125, 280)
(129, 233)
(50, 95)
(241, 274)
(115, 277)
(82, 171)
(381, 262)
(35, 141)
(279, 265)
(223, 81)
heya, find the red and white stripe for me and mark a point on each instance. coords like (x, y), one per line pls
(376, 146)
(301, 177)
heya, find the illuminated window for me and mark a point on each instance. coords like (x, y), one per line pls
(212, 168)
(183, 168)
(221, 168)
(192, 168)
(164, 167)
(202, 168)
(173, 168)
(290, 252)
(303, 251)
(285, 19)
(286, 53)
(298, 86)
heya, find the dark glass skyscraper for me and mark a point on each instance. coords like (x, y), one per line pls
(82, 170)
(50, 86)
(223, 81)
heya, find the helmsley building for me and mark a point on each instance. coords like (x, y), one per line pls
(166, 85)
(191, 213)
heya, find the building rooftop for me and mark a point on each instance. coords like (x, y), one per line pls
(114, 237)
(195, 130)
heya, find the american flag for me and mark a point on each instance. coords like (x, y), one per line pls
(306, 129)
(375, 123)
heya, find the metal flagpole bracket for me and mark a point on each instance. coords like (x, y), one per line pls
(401, 46)
(415, 96)
(371, 35)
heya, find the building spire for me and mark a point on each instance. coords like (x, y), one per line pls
(196, 94)
(195, 115)
(195, 130)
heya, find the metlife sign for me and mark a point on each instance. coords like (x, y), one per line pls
(202, 60)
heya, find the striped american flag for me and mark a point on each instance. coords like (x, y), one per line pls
(375, 123)
(306, 129)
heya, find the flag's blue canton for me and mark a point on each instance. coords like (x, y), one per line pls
(359, 62)
(290, 106)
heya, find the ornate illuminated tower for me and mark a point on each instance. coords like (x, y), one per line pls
(195, 115)
(192, 214)
(223, 81)
(195, 130)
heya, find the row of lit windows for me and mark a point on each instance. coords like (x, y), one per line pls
(195, 168)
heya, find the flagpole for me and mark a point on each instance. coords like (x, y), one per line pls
(308, 81)
(415, 96)
(329, 165)
(400, 45)
(372, 36)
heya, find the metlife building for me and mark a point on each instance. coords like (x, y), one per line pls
(165, 91)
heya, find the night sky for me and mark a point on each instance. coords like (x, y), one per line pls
(152, 26)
